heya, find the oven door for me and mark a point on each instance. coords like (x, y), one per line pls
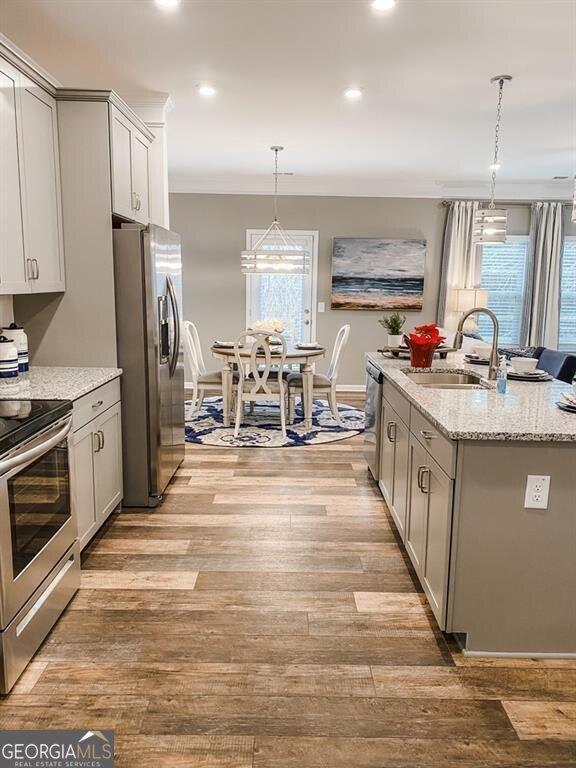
(36, 522)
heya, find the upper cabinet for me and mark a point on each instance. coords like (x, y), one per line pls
(130, 169)
(31, 240)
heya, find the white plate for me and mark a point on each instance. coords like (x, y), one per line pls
(308, 345)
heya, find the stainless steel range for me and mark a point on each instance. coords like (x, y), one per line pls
(39, 555)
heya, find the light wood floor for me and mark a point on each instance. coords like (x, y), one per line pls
(266, 617)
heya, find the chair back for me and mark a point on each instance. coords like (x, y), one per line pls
(561, 365)
(263, 358)
(191, 351)
(339, 344)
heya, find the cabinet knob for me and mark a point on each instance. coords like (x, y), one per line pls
(391, 431)
(427, 435)
(97, 404)
(423, 471)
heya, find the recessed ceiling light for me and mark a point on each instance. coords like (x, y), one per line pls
(353, 93)
(167, 3)
(383, 5)
(207, 90)
(495, 166)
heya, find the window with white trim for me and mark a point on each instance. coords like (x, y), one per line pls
(567, 326)
(503, 275)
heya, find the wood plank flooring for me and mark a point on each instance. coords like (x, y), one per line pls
(265, 616)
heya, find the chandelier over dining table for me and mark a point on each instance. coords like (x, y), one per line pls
(275, 252)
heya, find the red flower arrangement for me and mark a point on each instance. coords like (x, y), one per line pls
(423, 342)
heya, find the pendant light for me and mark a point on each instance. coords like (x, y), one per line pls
(490, 224)
(574, 202)
(275, 252)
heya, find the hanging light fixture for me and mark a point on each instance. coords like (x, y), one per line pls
(275, 252)
(490, 224)
(574, 202)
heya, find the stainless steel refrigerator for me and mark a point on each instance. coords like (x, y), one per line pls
(148, 277)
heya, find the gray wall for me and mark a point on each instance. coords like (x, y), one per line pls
(213, 231)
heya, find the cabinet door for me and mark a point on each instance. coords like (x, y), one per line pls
(121, 157)
(401, 460)
(387, 453)
(108, 462)
(434, 577)
(140, 180)
(418, 507)
(43, 207)
(84, 445)
(12, 260)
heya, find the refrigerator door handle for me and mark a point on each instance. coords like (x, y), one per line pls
(176, 349)
(163, 330)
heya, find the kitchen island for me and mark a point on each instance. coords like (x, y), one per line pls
(454, 466)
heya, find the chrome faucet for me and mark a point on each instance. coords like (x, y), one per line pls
(494, 360)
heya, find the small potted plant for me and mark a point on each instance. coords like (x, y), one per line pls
(394, 324)
(423, 343)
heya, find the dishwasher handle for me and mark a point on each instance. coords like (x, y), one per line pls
(374, 373)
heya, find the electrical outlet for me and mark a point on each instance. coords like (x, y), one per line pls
(537, 490)
(321, 306)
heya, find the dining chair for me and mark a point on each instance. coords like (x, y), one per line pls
(256, 380)
(322, 383)
(561, 365)
(203, 381)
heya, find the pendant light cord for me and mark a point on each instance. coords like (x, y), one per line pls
(276, 150)
(496, 144)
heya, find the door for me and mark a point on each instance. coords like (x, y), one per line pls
(140, 182)
(387, 451)
(107, 431)
(12, 260)
(123, 202)
(84, 445)
(418, 507)
(438, 490)
(289, 297)
(165, 354)
(400, 487)
(43, 208)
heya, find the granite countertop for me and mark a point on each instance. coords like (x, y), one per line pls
(526, 412)
(56, 383)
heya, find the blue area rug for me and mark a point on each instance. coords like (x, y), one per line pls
(262, 429)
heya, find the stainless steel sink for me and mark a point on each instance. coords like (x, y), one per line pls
(447, 380)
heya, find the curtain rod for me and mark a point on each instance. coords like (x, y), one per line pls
(507, 202)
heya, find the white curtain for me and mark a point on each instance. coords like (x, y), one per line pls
(542, 303)
(461, 260)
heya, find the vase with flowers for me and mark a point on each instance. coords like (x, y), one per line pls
(393, 324)
(423, 341)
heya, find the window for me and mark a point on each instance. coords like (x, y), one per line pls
(503, 275)
(567, 336)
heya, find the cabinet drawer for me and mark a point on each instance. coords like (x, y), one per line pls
(94, 403)
(397, 401)
(439, 447)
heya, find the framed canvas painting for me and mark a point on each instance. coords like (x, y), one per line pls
(377, 273)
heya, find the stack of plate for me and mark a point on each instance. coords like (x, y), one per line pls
(536, 375)
(475, 360)
(567, 403)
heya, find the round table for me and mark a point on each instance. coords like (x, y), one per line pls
(305, 357)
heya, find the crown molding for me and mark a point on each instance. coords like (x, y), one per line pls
(27, 65)
(324, 186)
(111, 97)
(151, 106)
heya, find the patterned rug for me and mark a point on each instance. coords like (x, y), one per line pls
(262, 430)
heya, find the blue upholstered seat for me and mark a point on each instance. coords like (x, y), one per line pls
(561, 365)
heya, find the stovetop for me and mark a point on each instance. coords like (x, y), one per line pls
(22, 419)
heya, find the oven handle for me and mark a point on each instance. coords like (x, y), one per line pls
(34, 453)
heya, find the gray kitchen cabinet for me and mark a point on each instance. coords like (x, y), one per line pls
(395, 437)
(130, 171)
(31, 240)
(429, 527)
(96, 458)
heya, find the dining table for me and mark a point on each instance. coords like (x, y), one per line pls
(295, 355)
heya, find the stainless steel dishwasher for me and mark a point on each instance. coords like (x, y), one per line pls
(374, 379)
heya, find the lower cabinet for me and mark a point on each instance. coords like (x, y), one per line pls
(97, 459)
(394, 464)
(428, 528)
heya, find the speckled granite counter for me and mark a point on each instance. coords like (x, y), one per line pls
(57, 383)
(526, 412)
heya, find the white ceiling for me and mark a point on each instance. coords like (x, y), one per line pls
(424, 126)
